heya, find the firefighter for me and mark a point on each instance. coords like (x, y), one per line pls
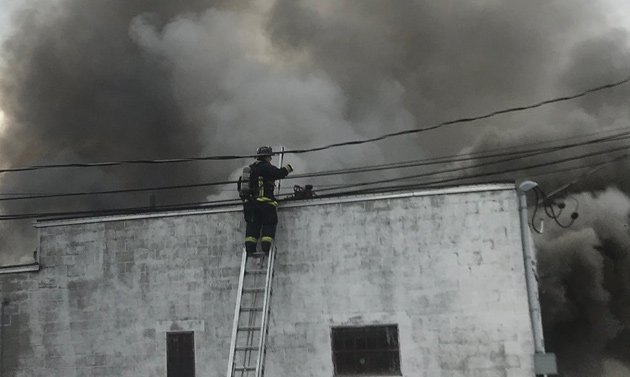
(259, 202)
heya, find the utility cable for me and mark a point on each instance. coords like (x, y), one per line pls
(218, 203)
(515, 149)
(551, 172)
(456, 158)
(495, 162)
(369, 168)
(519, 155)
(105, 192)
(550, 210)
(474, 176)
(465, 119)
(590, 172)
(548, 203)
(334, 145)
(120, 211)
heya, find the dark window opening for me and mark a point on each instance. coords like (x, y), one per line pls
(366, 350)
(180, 354)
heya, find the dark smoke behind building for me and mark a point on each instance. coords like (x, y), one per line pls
(111, 80)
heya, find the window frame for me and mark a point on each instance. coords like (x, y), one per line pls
(337, 336)
(193, 355)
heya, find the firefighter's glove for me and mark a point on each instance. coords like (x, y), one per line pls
(289, 168)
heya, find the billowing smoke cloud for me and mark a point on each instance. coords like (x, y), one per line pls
(229, 83)
(75, 87)
(585, 284)
(448, 58)
(117, 79)
(613, 368)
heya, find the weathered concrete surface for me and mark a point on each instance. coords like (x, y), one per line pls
(447, 269)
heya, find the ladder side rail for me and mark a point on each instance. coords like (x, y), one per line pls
(239, 296)
(265, 313)
(247, 356)
(281, 162)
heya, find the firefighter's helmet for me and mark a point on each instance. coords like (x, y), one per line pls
(264, 151)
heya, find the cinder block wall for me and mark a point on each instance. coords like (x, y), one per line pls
(447, 269)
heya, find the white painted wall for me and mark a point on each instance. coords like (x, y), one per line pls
(446, 268)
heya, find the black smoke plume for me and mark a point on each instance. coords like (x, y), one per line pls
(110, 80)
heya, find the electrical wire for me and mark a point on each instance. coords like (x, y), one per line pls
(120, 191)
(220, 203)
(235, 201)
(456, 158)
(469, 119)
(423, 175)
(423, 184)
(550, 211)
(462, 157)
(548, 201)
(514, 149)
(474, 176)
(120, 211)
(369, 168)
(465, 119)
(590, 172)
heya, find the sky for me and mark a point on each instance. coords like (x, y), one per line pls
(110, 80)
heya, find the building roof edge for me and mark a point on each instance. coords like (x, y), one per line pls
(288, 204)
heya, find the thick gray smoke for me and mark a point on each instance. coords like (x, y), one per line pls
(75, 87)
(585, 284)
(117, 79)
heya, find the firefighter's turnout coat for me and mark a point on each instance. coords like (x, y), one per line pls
(260, 206)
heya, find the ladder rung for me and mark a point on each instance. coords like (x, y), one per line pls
(248, 328)
(253, 290)
(247, 309)
(246, 348)
(257, 254)
(256, 271)
(249, 284)
(244, 369)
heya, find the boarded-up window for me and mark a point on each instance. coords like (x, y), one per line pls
(180, 354)
(366, 350)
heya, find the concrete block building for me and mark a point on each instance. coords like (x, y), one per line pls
(424, 283)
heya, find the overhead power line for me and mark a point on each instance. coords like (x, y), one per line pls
(120, 191)
(614, 135)
(593, 170)
(479, 175)
(536, 174)
(464, 179)
(495, 162)
(511, 150)
(216, 203)
(507, 156)
(595, 167)
(518, 153)
(466, 119)
(119, 211)
(329, 146)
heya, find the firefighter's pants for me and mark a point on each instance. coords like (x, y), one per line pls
(261, 219)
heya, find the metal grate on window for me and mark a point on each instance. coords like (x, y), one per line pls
(366, 350)
(180, 354)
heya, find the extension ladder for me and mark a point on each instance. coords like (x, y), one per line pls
(251, 317)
